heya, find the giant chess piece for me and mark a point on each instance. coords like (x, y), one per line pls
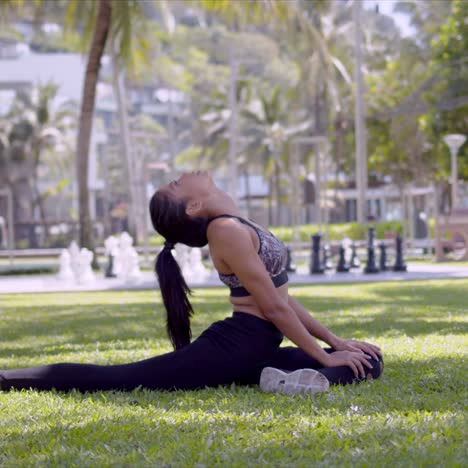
(341, 266)
(354, 262)
(400, 264)
(371, 266)
(383, 257)
(85, 271)
(134, 272)
(315, 264)
(327, 263)
(197, 270)
(74, 252)
(122, 259)
(182, 255)
(111, 245)
(65, 271)
(128, 258)
(290, 266)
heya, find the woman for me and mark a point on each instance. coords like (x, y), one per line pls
(243, 348)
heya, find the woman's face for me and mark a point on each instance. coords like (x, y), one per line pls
(190, 186)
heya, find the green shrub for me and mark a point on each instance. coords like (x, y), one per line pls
(339, 231)
(11, 270)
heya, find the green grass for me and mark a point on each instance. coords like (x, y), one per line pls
(415, 415)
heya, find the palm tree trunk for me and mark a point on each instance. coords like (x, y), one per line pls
(39, 201)
(100, 35)
(125, 139)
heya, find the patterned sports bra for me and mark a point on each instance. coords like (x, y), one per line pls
(272, 252)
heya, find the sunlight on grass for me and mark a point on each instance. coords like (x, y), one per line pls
(414, 415)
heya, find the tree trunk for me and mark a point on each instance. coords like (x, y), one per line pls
(38, 200)
(126, 145)
(101, 33)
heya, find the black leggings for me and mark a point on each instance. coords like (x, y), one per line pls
(232, 350)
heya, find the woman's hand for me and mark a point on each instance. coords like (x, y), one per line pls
(357, 361)
(342, 344)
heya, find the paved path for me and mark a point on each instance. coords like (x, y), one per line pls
(50, 283)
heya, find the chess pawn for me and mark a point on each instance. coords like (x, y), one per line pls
(117, 261)
(342, 267)
(199, 271)
(354, 262)
(134, 273)
(125, 241)
(65, 271)
(85, 272)
(110, 244)
(183, 259)
(74, 252)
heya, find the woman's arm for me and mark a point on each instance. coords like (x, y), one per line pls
(315, 328)
(312, 325)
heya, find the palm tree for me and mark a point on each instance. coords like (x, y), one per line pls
(114, 23)
(101, 22)
(31, 128)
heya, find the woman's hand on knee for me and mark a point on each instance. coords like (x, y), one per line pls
(342, 344)
(356, 360)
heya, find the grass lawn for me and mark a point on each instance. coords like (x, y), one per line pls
(415, 415)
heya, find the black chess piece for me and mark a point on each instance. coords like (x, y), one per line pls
(371, 266)
(342, 267)
(290, 266)
(383, 257)
(400, 264)
(315, 264)
(109, 273)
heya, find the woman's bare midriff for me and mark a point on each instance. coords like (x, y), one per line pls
(247, 304)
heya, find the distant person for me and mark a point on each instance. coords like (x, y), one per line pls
(244, 348)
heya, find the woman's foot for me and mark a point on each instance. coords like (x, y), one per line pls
(299, 381)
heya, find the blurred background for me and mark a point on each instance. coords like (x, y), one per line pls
(315, 115)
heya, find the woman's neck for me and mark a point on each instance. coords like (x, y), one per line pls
(222, 204)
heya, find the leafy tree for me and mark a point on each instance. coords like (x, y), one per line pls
(32, 128)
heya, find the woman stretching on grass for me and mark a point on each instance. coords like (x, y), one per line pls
(243, 348)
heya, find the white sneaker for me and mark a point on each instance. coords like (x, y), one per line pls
(299, 381)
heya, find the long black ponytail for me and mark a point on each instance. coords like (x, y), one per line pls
(171, 221)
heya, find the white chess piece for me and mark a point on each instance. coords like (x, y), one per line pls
(65, 271)
(85, 272)
(74, 251)
(134, 273)
(347, 243)
(198, 270)
(110, 244)
(124, 255)
(183, 259)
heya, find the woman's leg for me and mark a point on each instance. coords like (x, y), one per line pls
(290, 359)
(198, 365)
(219, 356)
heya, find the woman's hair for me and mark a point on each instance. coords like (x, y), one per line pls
(172, 222)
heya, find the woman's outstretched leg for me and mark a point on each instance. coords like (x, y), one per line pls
(290, 359)
(219, 356)
(189, 368)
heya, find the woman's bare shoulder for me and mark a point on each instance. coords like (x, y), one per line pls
(227, 233)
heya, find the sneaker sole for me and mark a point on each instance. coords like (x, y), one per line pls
(290, 383)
